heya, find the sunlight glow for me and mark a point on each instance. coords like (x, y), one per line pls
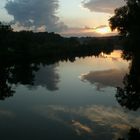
(115, 54)
(104, 30)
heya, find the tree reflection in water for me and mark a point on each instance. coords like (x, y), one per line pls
(133, 134)
(5, 88)
(18, 69)
(129, 95)
(24, 72)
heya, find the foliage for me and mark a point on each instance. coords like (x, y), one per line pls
(5, 28)
(128, 96)
(126, 18)
(21, 54)
(133, 134)
(49, 45)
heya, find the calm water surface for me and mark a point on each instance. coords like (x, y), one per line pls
(70, 101)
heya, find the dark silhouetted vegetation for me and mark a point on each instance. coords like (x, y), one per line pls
(129, 95)
(133, 134)
(21, 54)
(49, 45)
(126, 18)
(126, 21)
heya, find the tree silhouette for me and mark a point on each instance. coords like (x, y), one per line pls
(126, 18)
(24, 51)
(5, 88)
(129, 95)
(5, 28)
(126, 21)
(133, 134)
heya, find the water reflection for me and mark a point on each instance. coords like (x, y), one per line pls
(11, 75)
(47, 77)
(77, 112)
(42, 72)
(92, 121)
(26, 73)
(105, 78)
(133, 134)
(114, 55)
(129, 96)
(5, 88)
(6, 114)
(111, 75)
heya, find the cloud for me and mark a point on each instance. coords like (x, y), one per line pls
(47, 77)
(6, 114)
(105, 6)
(94, 28)
(2, 4)
(81, 32)
(86, 31)
(4, 17)
(36, 13)
(79, 127)
(100, 27)
(106, 78)
(94, 120)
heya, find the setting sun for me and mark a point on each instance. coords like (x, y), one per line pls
(104, 30)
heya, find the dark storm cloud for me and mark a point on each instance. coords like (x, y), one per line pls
(35, 13)
(106, 6)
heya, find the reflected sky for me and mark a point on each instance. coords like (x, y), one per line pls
(111, 73)
(113, 122)
(76, 110)
(106, 78)
(47, 77)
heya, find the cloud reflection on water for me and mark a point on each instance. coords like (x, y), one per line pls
(105, 78)
(6, 114)
(47, 77)
(95, 121)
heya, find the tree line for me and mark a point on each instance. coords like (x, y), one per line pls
(50, 45)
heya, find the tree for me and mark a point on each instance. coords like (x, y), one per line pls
(133, 134)
(5, 28)
(126, 18)
(128, 96)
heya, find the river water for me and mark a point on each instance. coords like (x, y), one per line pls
(69, 101)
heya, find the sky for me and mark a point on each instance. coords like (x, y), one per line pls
(66, 17)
